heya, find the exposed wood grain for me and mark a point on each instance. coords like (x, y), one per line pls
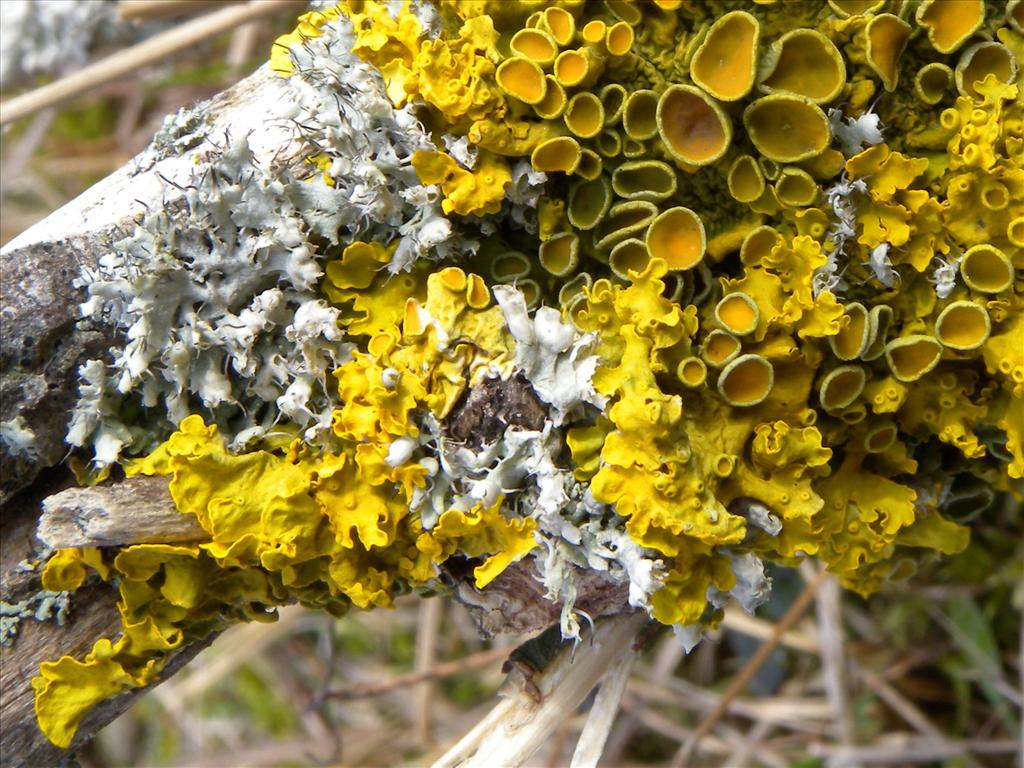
(138, 510)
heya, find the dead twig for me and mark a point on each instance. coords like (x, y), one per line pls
(137, 510)
(128, 61)
(439, 672)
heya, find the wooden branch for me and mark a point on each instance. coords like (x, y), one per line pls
(138, 510)
(130, 60)
(41, 344)
(41, 348)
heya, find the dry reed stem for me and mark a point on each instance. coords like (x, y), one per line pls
(512, 732)
(809, 715)
(430, 614)
(833, 657)
(667, 655)
(737, 620)
(901, 749)
(151, 10)
(739, 682)
(438, 672)
(747, 748)
(17, 157)
(129, 60)
(664, 726)
(899, 704)
(244, 44)
(602, 714)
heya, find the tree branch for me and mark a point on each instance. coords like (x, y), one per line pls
(42, 345)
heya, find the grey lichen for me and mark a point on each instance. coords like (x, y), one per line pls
(18, 436)
(216, 292)
(42, 606)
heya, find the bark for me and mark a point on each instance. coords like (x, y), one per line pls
(41, 349)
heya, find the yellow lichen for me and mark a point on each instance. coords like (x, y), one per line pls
(475, 192)
(781, 329)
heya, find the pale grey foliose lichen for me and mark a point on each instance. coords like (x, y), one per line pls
(42, 606)
(216, 292)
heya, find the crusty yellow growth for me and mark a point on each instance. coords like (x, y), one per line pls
(477, 532)
(310, 25)
(683, 598)
(454, 76)
(169, 595)
(67, 689)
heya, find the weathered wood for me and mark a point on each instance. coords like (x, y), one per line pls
(138, 510)
(515, 602)
(42, 346)
(93, 615)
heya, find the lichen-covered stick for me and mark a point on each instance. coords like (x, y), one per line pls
(568, 306)
(43, 343)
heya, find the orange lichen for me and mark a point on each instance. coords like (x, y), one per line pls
(787, 128)
(726, 62)
(887, 38)
(677, 237)
(694, 128)
(950, 23)
(804, 62)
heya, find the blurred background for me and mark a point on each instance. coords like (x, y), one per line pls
(928, 672)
